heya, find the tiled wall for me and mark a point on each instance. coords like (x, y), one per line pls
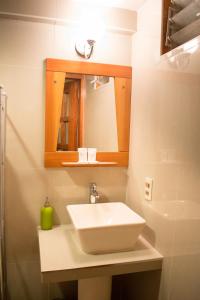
(23, 48)
(165, 145)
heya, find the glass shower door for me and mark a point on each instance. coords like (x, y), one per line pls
(2, 195)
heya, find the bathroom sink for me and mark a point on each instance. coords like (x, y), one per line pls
(105, 227)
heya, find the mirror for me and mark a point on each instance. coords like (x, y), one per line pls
(87, 105)
(88, 114)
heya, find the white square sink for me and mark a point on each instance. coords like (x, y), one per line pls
(105, 227)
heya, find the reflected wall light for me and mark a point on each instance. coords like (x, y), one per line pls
(91, 30)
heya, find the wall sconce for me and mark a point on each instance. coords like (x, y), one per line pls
(85, 48)
(91, 29)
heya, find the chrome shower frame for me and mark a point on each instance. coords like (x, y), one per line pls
(3, 275)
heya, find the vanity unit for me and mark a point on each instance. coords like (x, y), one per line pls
(102, 242)
(63, 260)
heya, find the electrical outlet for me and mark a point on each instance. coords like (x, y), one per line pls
(148, 186)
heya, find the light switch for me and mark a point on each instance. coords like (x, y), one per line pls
(148, 186)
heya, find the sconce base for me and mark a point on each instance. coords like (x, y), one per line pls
(85, 48)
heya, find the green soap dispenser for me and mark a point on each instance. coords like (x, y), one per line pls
(46, 216)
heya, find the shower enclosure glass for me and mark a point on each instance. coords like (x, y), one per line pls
(2, 208)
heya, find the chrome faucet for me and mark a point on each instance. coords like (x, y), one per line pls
(94, 195)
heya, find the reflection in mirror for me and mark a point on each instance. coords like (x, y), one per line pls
(69, 131)
(88, 114)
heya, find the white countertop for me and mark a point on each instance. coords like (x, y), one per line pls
(62, 259)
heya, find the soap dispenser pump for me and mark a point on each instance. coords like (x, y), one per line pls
(46, 216)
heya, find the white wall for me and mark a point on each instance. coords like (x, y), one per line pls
(165, 143)
(23, 48)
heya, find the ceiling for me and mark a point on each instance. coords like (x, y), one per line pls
(126, 4)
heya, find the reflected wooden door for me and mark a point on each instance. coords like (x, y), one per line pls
(73, 116)
(70, 116)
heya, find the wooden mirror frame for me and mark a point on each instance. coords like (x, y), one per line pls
(57, 68)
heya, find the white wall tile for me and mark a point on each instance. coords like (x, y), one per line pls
(165, 143)
(24, 47)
